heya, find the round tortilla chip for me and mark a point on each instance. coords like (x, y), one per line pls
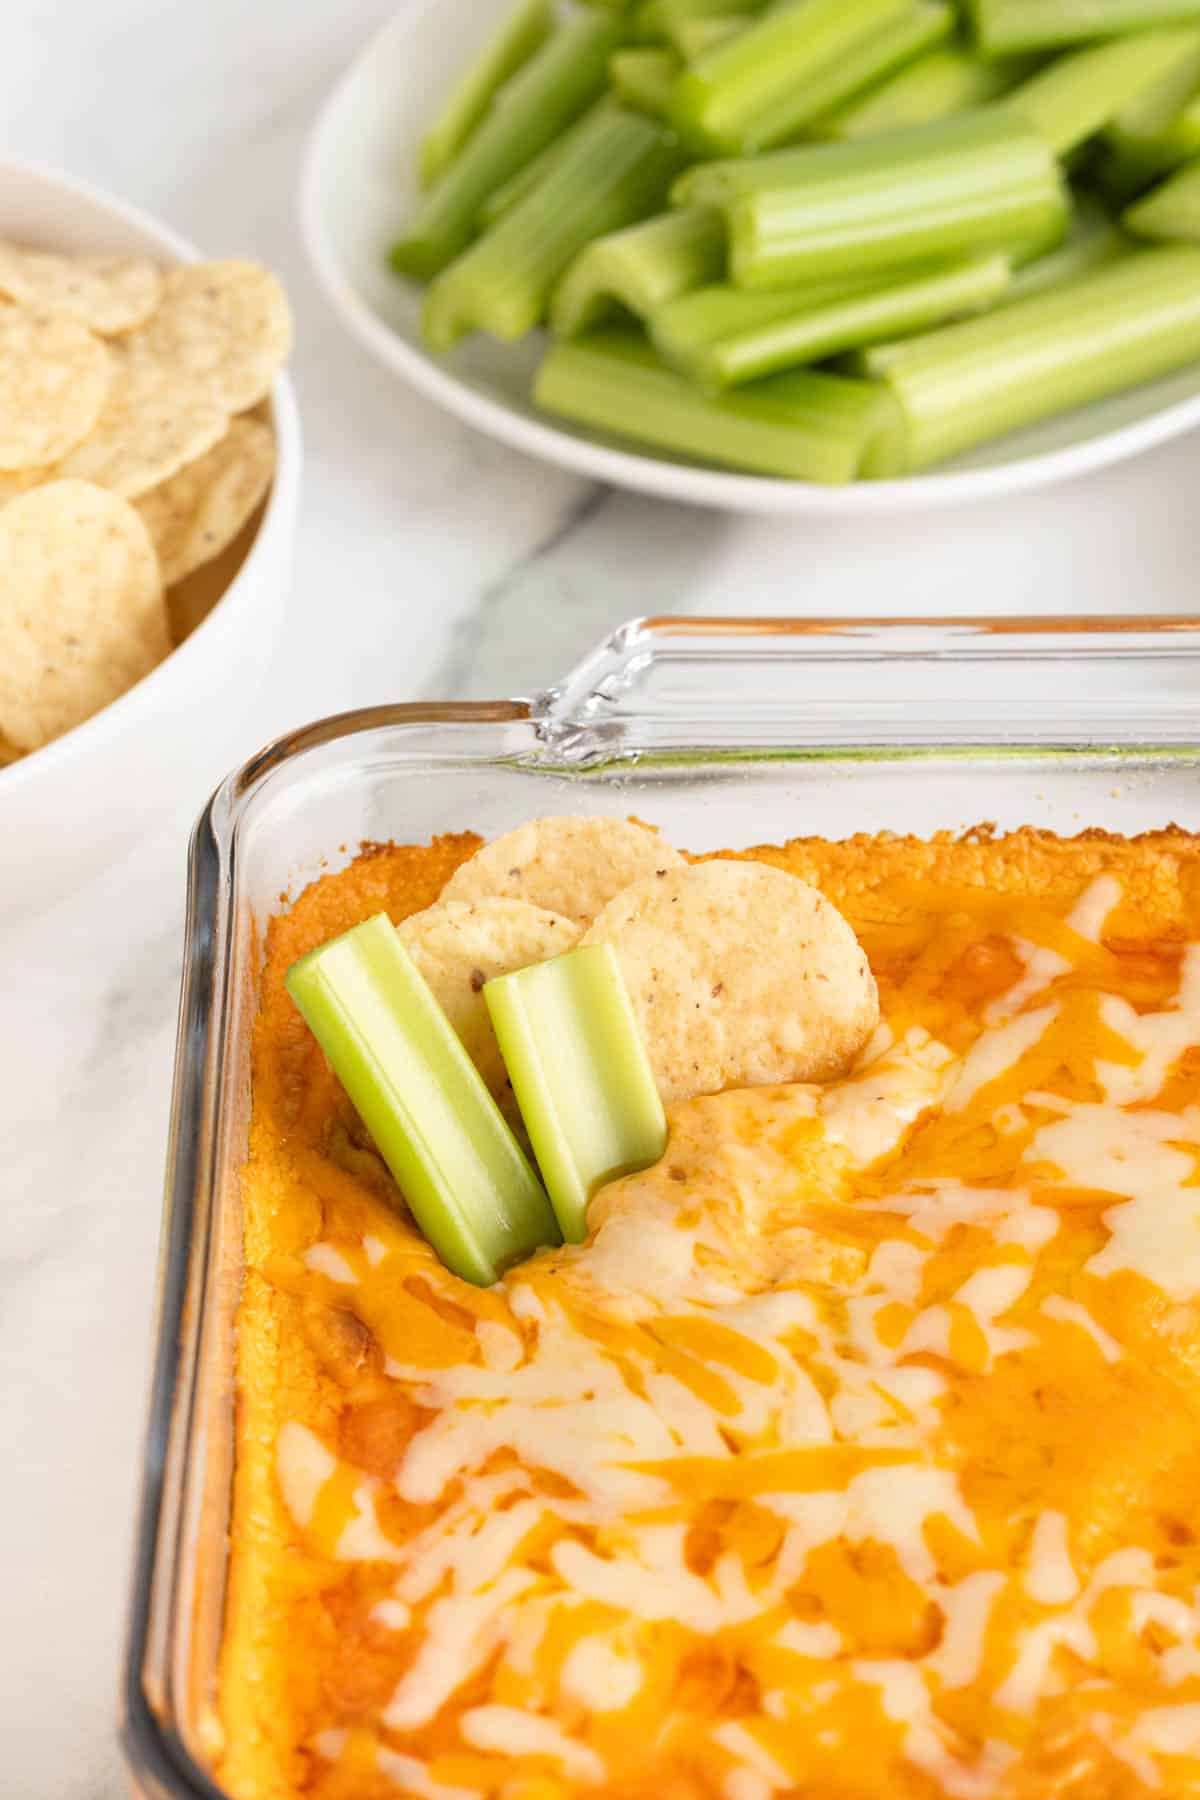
(568, 865)
(458, 945)
(106, 293)
(151, 425)
(53, 379)
(224, 328)
(19, 481)
(83, 617)
(741, 975)
(194, 515)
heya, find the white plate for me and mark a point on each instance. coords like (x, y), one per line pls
(358, 187)
(76, 807)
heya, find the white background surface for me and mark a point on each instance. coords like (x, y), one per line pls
(430, 563)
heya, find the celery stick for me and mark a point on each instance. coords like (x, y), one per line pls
(1157, 132)
(725, 336)
(1172, 210)
(660, 19)
(1005, 27)
(639, 268)
(1093, 241)
(459, 1167)
(571, 1045)
(1076, 95)
(534, 173)
(522, 34)
(1135, 319)
(694, 37)
(804, 110)
(981, 181)
(803, 426)
(720, 98)
(617, 172)
(541, 100)
(944, 81)
(645, 79)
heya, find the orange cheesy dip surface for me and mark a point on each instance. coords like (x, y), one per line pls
(857, 1452)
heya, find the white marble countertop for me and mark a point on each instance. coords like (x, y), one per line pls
(431, 563)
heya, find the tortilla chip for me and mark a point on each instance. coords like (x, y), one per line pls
(741, 975)
(8, 753)
(225, 328)
(151, 425)
(191, 600)
(194, 515)
(83, 617)
(106, 293)
(567, 865)
(458, 945)
(19, 481)
(53, 379)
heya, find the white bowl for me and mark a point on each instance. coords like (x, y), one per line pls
(74, 808)
(357, 187)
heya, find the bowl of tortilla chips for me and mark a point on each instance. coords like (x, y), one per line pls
(149, 475)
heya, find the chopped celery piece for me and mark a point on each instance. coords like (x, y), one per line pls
(522, 34)
(726, 336)
(645, 79)
(895, 43)
(541, 100)
(694, 37)
(571, 1045)
(720, 99)
(803, 426)
(639, 268)
(983, 181)
(1172, 210)
(1159, 131)
(1003, 27)
(1092, 241)
(1076, 95)
(660, 19)
(617, 171)
(535, 172)
(1135, 319)
(944, 81)
(459, 1167)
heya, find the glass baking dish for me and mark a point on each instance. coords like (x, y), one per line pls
(724, 732)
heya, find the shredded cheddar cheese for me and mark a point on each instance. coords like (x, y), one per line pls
(857, 1452)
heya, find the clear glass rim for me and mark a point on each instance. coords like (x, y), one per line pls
(592, 706)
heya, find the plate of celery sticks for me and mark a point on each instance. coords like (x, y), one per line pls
(809, 256)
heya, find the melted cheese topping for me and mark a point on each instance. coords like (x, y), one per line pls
(855, 1452)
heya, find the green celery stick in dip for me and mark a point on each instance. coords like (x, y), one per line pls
(467, 1183)
(581, 1076)
(520, 36)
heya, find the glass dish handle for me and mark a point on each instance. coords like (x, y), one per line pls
(873, 683)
